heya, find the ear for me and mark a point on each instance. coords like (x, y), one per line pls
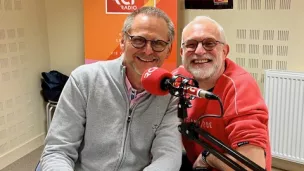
(122, 43)
(181, 51)
(226, 50)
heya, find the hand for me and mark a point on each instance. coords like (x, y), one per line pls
(200, 162)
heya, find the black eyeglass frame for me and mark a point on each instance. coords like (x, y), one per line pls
(216, 42)
(153, 43)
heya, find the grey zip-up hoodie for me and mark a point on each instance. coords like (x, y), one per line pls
(94, 128)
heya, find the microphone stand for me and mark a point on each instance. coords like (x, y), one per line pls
(192, 131)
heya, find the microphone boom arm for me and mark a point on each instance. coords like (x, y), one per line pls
(192, 131)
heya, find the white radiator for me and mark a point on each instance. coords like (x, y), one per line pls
(284, 96)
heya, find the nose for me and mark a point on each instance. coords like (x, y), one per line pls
(148, 49)
(200, 49)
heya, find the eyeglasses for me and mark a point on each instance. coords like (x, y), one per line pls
(208, 44)
(139, 42)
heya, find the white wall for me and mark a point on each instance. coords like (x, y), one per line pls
(65, 33)
(35, 36)
(248, 23)
(24, 54)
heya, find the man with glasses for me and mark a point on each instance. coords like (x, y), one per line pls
(105, 120)
(244, 125)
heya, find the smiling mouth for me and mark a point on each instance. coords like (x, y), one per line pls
(201, 61)
(146, 60)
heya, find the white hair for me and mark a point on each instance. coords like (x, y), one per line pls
(202, 18)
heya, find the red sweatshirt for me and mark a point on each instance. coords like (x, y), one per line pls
(245, 117)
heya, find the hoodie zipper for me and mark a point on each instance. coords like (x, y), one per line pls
(130, 111)
(129, 117)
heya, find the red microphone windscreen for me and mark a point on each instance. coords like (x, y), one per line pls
(182, 71)
(152, 79)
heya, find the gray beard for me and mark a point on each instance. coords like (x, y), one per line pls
(202, 74)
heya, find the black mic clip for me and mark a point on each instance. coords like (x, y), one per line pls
(179, 84)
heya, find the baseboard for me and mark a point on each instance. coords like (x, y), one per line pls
(22, 150)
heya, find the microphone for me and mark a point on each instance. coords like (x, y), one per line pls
(181, 71)
(200, 93)
(158, 81)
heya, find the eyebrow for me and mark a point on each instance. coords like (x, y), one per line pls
(168, 41)
(200, 39)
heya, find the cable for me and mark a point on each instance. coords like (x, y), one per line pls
(213, 115)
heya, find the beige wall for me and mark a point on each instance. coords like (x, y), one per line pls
(261, 36)
(35, 36)
(24, 54)
(65, 33)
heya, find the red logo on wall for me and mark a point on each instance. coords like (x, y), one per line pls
(123, 6)
(220, 1)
